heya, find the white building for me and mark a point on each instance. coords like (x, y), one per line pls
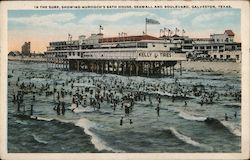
(226, 56)
(226, 37)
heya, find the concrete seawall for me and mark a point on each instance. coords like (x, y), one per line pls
(27, 59)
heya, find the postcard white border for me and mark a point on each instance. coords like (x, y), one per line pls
(243, 5)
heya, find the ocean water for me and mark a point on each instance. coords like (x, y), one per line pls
(187, 128)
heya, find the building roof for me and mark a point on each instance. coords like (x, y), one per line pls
(128, 38)
(202, 39)
(229, 32)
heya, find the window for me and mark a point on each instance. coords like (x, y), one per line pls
(215, 56)
(209, 47)
(196, 47)
(153, 45)
(237, 57)
(69, 53)
(142, 45)
(73, 53)
(215, 47)
(202, 47)
(187, 47)
(78, 53)
(221, 56)
(228, 56)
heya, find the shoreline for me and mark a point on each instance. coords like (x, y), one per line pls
(220, 67)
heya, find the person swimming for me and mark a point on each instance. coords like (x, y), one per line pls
(63, 108)
(31, 109)
(235, 115)
(58, 109)
(158, 110)
(130, 121)
(121, 121)
(226, 117)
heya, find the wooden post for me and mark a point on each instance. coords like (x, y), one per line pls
(92, 66)
(102, 67)
(97, 67)
(117, 67)
(78, 66)
(170, 72)
(123, 68)
(130, 69)
(137, 68)
(180, 68)
(148, 67)
(113, 66)
(173, 70)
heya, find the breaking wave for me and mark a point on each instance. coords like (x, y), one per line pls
(191, 117)
(230, 126)
(189, 140)
(98, 143)
(233, 128)
(38, 139)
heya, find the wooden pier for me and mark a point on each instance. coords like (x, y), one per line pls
(119, 67)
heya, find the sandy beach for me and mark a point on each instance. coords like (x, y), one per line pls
(220, 67)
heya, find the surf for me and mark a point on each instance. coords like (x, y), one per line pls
(230, 126)
(190, 117)
(38, 139)
(189, 140)
(98, 143)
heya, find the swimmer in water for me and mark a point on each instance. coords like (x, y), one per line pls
(121, 121)
(158, 110)
(226, 117)
(31, 109)
(63, 108)
(58, 109)
(130, 121)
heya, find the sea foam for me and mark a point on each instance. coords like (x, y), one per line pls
(86, 124)
(189, 140)
(38, 139)
(233, 128)
(191, 117)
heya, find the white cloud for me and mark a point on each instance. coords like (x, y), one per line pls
(210, 16)
(114, 17)
(169, 22)
(50, 20)
(182, 13)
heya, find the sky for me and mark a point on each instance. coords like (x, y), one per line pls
(42, 26)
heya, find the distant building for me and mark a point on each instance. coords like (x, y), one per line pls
(26, 49)
(14, 53)
(226, 55)
(227, 37)
(216, 42)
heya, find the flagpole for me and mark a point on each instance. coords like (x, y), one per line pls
(146, 26)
